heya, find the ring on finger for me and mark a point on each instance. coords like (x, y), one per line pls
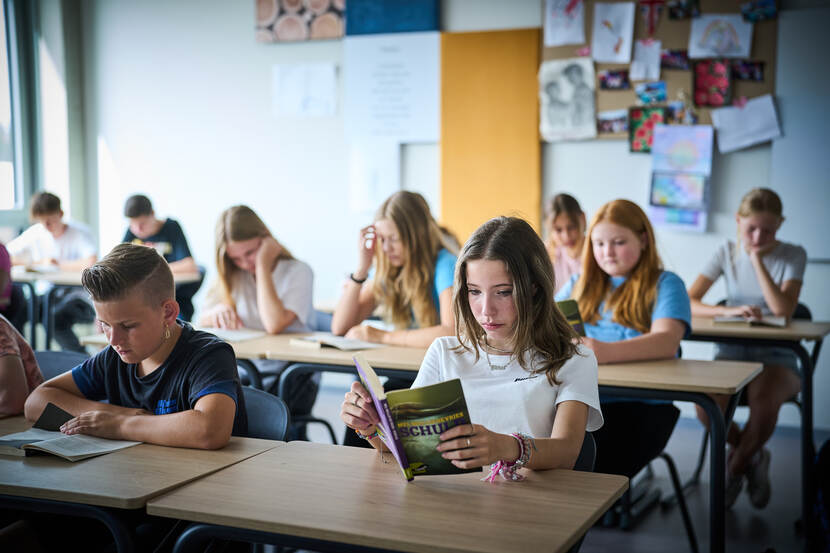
(356, 400)
(468, 442)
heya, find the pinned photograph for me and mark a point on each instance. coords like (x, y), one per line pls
(295, 20)
(720, 36)
(566, 98)
(614, 79)
(641, 123)
(683, 9)
(745, 70)
(759, 10)
(681, 113)
(612, 122)
(674, 59)
(651, 93)
(712, 83)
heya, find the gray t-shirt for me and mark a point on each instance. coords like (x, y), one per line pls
(785, 262)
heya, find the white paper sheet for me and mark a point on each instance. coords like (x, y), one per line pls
(304, 90)
(235, 335)
(645, 66)
(720, 36)
(391, 87)
(564, 22)
(374, 174)
(612, 31)
(754, 123)
(682, 149)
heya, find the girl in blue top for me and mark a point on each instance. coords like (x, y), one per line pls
(412, 280)
(634, 311)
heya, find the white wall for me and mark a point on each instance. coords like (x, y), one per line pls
(177, 107)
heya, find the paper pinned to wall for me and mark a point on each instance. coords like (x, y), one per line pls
(391, 87)
(566, 97)
(720, 35)
(304, 90)
(564, 22)
(374, 174)
(645, 66)
(682, 149)
(740, 127)
(612, 32)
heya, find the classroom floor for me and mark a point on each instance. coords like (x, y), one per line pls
(748, 530)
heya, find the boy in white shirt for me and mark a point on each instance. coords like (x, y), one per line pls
(66, 245)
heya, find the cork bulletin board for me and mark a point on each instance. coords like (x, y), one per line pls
(674, 35)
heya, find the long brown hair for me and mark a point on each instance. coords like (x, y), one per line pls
(403, 291)
(631, 302)
(236, 224)
(540, 326)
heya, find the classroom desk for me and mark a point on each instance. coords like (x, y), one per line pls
(333, 498)
(670, 379)
(704, 329)
(91, 488)
(60, 279)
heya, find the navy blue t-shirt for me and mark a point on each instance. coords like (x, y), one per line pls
(169, 241)
(200, 364)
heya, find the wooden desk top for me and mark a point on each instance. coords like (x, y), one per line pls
(255, 348)
(688, 375)
(73, 278)
(796, 330)
(124, 479)
(349, 495)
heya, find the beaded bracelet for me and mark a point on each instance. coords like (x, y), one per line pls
(507, 469)
(366, 437)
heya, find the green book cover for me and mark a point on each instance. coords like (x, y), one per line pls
(421, 415)
(570, 309)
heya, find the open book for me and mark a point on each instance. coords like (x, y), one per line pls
(411, 421)
(570, 309)
(44, 437)
(766, 320)
(235, 335)
(320, 339)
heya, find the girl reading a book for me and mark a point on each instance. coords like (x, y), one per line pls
(633, 310)
(261, 286)
(565, 222)
(763, 276)
(530, 388)
(413, 263)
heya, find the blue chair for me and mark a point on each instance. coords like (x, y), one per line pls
(585, 463)
(268, 416)
(53, 363)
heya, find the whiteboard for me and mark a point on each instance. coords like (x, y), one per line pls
(801, 158)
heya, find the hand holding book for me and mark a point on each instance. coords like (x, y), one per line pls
(358, 410)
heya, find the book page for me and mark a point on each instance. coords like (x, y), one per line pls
(33, 435)
(78, 446)
(238, 335)
(339, 342)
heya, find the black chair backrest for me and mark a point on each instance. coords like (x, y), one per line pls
(268, 416)
(53, 363)
(588, 454)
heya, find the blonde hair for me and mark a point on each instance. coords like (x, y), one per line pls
(236, 224)
(540, 327)
(633, 301)
(761, 200)
(403, 291)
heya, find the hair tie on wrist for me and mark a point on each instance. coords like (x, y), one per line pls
(507, 469)
(357, 280)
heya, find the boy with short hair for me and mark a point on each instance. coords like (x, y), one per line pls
(67, 245)
(168, 239)
(166, 383)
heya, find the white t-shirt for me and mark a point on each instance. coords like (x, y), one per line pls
(293, 281)
(37, 244)
(785, 262)
(513, 400)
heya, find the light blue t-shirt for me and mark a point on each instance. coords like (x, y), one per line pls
(672, 302)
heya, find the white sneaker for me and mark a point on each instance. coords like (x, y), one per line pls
(734, 485)
(757, 479)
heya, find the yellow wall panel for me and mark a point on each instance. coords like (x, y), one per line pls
(490, 151)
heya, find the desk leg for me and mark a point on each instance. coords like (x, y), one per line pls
(122, 535)
(49, 323)
(31, 310)
(808, 451)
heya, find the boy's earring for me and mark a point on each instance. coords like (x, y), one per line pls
(166, 332)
